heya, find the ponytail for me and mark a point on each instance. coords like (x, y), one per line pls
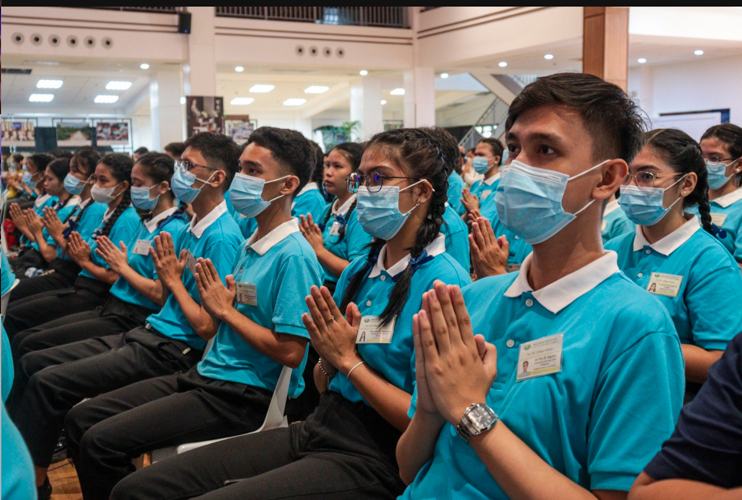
(120, 167)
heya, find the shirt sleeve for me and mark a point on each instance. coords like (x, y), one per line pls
(296, 276)
(357, 239)
(714, 307)
(707, 443)
(638, 398)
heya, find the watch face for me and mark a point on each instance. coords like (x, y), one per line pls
(481, 417)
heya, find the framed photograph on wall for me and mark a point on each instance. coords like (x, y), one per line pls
(239, 127)
(73, 132)
(18, 132)
(205, 114)
(116, 132)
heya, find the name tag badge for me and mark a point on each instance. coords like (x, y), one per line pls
(335, 229)
(540, 357)
(191, 262)
(511, 268)
(485, 194)
(142, 247)
(371, 331)
(247, 293)
(664, 284)
(718, 219)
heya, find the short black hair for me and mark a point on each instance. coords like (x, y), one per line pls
(40, 161)
(497, 148)
(61, 153)
(60, 167)
(17, 157)
(175, 148)
(220, 150)
(319, 163)
(141, 151)
(290, 149)
(613, 120)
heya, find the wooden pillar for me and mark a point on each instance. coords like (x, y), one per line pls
(605, 44)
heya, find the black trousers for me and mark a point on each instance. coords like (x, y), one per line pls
(41, 308)
(27, 258)
(113, 318)
(343, 451)
(106, 432)
(60, 377)
(46, 283)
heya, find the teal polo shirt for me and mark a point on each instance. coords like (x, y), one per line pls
(457, 237)
(216, 237)
(123, 229)
(706, 306)
(455, 187)
(166, 221)
(615, 223)
(63, 212)
(309, 201)
(8, 278)
(85, 224)
(599, 420)
(394, 361)
(282, 267)
(42, 202)
(350, 246)
(726, 212)
(485, 188)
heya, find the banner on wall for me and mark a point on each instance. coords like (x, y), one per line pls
(239, 127)
(74, 134)
(112, 133)
(205, 114)
(18, 133)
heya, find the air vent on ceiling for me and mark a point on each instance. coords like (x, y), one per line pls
(16, 71)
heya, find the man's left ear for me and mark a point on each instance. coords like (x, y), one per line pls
(220, 177)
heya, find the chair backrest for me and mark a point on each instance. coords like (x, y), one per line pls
(275, 416)
(6, 298)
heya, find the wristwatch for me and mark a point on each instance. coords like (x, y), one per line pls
(477, 419)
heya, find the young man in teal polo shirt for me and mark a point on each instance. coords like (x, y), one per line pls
(604, 384)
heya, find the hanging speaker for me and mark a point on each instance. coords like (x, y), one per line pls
(184, 23)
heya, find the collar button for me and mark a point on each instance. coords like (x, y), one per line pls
(529, 302)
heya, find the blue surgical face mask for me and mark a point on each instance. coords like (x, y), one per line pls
(645, 206)
(529, 201)
(246, 194)
(716, 173)
(182, 182)
(378, 213)
(140, 198)
(73, 185)
(28, 182)
(481, 164)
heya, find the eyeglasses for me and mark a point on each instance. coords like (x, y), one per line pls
(187, 165)
(373, 182)
(717, 159)
(645, 179)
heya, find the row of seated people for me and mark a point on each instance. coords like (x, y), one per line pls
(560, 380)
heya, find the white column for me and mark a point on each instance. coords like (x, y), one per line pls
(167, 114)
(419, 98)
(201, 56)
(365, 107)
(303, 125)
(646, 89)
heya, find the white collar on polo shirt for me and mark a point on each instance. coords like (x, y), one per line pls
(492, 179)
(198, 228)
(344, 209)
(278, 234)
(151, 225)
(566, 290)
(728, 199)
(610, 208)
(437, 247)
(671, 242)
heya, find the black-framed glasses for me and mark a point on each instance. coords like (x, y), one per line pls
(373, 181)
(187, 165)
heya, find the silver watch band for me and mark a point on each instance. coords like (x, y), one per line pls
(477, 418)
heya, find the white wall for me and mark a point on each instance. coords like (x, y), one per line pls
(694, 86)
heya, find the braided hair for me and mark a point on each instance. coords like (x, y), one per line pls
(731, 136)
(353, 152)
(424, 153)
(119, 165)
(684, 156)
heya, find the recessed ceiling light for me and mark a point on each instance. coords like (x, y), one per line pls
(239, 69)
(294, 102)
(549, 56)
(444, 75)
(41, 97)
(182, 100)
(502, 64)
(316, 89)
(49, 84)
(241, 101)
(641, 60)
(113, 85)
(399, 91)
(261, 88)
(144, 66)
(364, 72)
(383, 101)
(698, 52)
(106, 99)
